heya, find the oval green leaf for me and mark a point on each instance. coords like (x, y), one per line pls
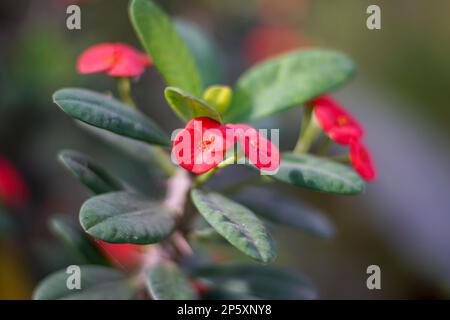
(108, 113)
(88, 172)
(245, 281)
(287, 81)
(96, 283)
(167, 282)
(74, 238)
(236, 223)
(188, 107)
(318, 174)
(125, 217)
(166, 47)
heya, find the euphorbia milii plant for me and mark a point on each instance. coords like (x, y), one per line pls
(220, 139)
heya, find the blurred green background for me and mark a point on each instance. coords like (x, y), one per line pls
(401, 94)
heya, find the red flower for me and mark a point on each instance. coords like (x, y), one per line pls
(116, 59)
(362, 161)
(337, 123)
(126, 255)
(260, 151)
(200, 146)
(200, 287)
(13, 190)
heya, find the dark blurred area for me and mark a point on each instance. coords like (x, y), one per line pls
(400, 94)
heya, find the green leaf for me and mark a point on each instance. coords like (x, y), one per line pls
(207, 234)
(235, 223)
(163, 43)
(245, 281)
(318, 174)
(89, 172)
(206, 52)
(125, 217)
(287, 81)
(134, 148)
(219, 97)
(76, 240)
(167, 282)
(188, 107)
(108, 113)
(97, 283)
(286, 210)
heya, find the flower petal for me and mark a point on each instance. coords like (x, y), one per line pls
(97, 58)
(362, 161)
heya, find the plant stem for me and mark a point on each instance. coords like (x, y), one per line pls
(308, 134)
(124, 89)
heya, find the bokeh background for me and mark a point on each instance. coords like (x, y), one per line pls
(401, 94)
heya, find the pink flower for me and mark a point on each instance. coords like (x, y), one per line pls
(260, 151)
(13, 190)
(335, 121)
(125, 255)
(200, 146)
(116, 59)
(362, 161)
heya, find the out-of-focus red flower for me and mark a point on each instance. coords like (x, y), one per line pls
(267, 41)
(116, 59)
(260, 151)
(13, 190)
(200, 146)
(337, 123)
(126, 255)
(200, 287)
(362, 161)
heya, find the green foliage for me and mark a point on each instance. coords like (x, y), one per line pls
(206, 52)
(286, 210)
(91, 174)
(219, 97)
(189, 60)
(166, 47)
(76, 240)
(287, 81)
(236, 223)
(108, 113)
(318, 174)
(167, 282)
(124, 217)
(188, 107)
(245, 281)
(97, 283)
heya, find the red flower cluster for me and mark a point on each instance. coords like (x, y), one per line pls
(116, 59)
(13, 190)
(342, 128)
(202, 145)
